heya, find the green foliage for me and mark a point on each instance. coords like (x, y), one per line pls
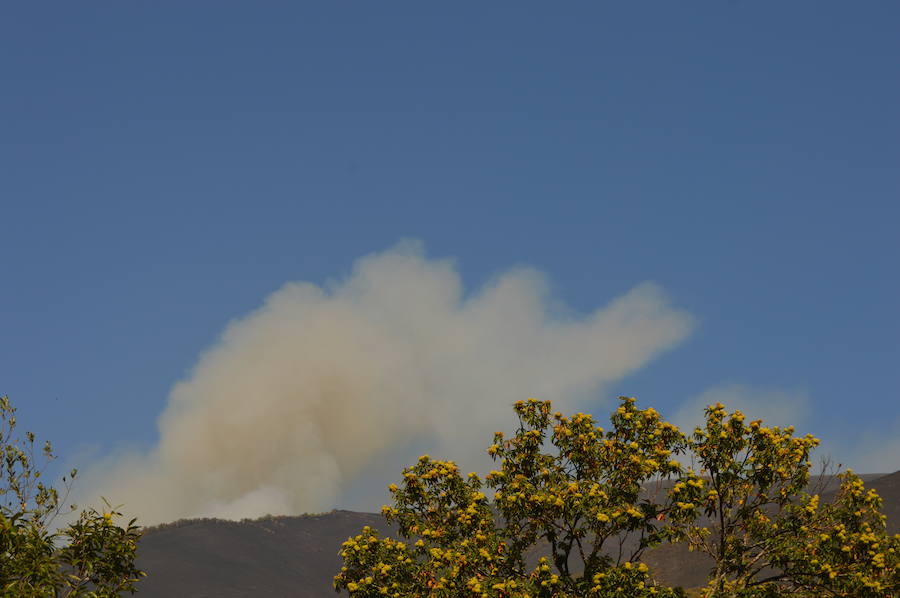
(575, 493)
(90, 557)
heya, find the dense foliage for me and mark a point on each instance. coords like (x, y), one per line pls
(571, 515)
(92, 556)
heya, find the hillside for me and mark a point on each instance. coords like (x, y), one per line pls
(278, 556)
(297, 556)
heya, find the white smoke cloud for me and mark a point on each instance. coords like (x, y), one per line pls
(310, 392)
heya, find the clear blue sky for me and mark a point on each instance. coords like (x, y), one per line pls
(165, 166)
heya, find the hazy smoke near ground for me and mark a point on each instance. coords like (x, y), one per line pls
(776, 407)
(869, 449)
(302, 396)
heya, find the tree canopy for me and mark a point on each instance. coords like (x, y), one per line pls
(574, 507)
(92, 556)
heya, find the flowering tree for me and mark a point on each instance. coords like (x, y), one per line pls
(748, 509)
(91, 557)
(841, 548)
(569, 501)
(571, 516)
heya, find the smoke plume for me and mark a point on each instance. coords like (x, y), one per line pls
(311, 392)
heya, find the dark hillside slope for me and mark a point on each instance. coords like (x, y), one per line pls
(273, 557)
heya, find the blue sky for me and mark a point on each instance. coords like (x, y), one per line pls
(165, 167)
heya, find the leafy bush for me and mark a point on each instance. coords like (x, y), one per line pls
(90, 557)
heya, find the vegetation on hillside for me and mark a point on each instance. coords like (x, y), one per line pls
(572, 491)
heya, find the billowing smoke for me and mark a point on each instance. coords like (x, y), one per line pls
(310, 393)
